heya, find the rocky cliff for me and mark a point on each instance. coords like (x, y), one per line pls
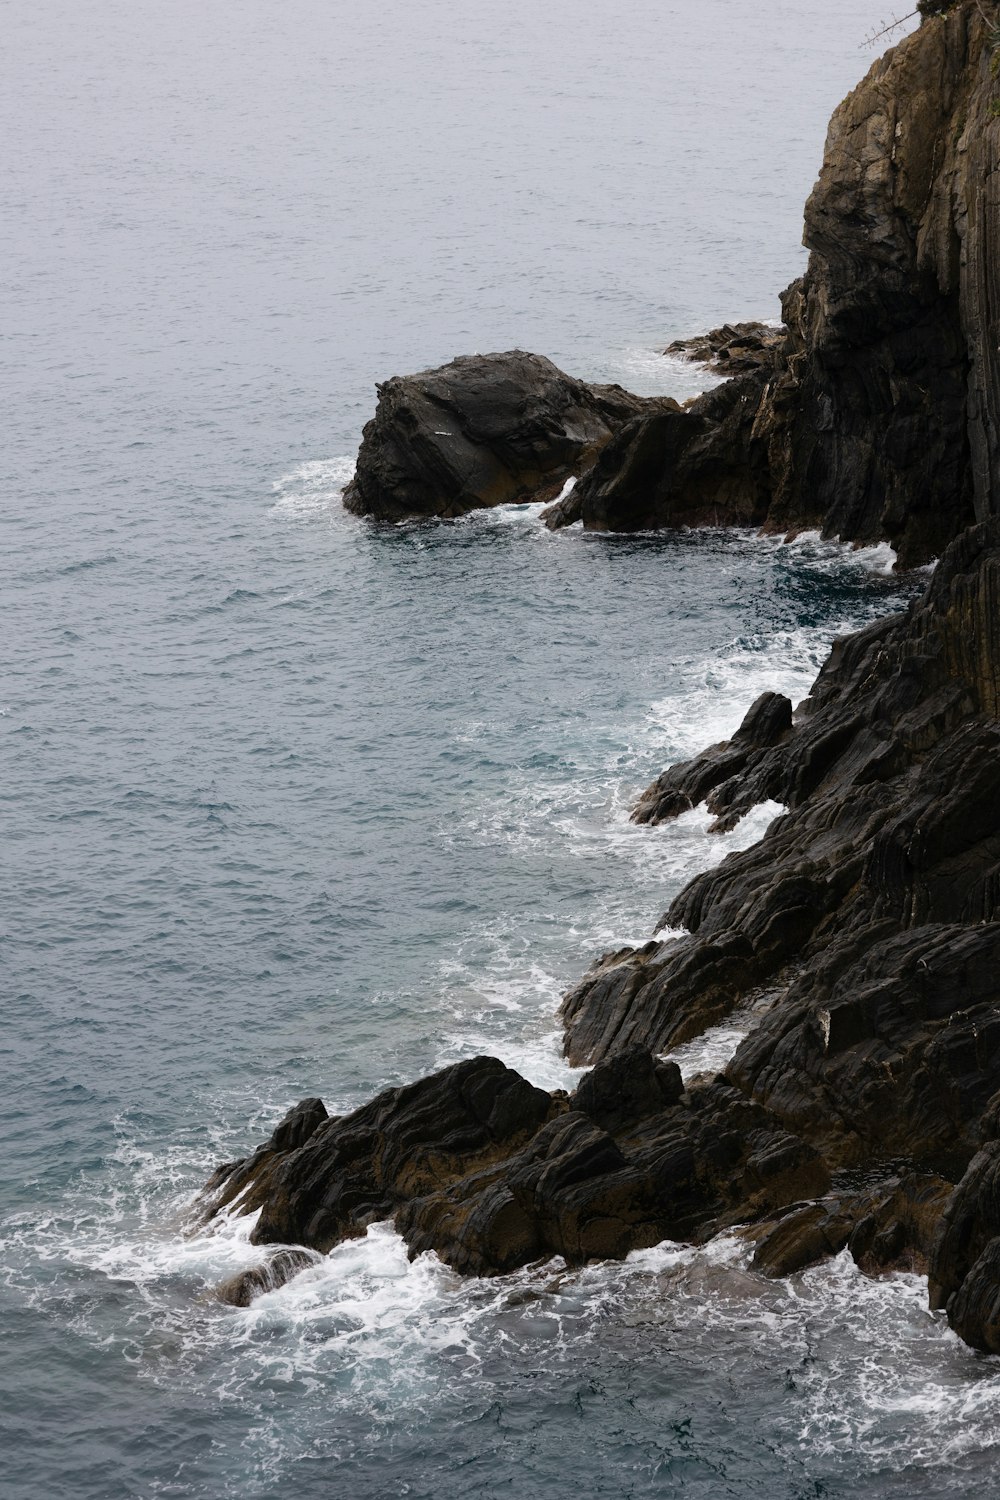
(876, 415)
(863, 1108)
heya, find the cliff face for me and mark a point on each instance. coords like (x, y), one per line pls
(874, 418)
(878, 417)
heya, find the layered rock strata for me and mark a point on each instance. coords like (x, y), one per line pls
(875, 416)
(492, 1173)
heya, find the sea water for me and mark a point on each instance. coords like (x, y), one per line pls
(295, 805)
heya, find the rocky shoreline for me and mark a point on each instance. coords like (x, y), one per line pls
(864, 1108)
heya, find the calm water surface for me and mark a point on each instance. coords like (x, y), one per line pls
(295, 806)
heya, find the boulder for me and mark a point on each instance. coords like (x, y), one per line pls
(628, 1086)
(483, 430)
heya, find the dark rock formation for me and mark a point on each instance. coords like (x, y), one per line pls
(733, 349)
(890, 1226)
(344, 1174)
(702, 465)
(886, 857)
(629, 1086)
(767, 723)
(877, 413)
(484, 430)
(491, 1173)
(867, 917)
(280, 1267)
(870, 911)
(965, 1259)
(873, 413)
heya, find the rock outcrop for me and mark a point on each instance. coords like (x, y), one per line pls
(864, 929)
(733, 349)
(869, 912)
(492, 1173)
(484, 430)
(880, 881)
(874, 413)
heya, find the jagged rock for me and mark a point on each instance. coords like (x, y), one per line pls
(681, 787)
(808, 1234)
(580, 1192)
(869, 911)
(964, 1273)
(353, 1171)
(628, 1086)
(891, 774)
(492, 1173)
(483, 430)
(697, 466)
(232, 1178)
(890, 1226)
(733, 349)
(876, 413)
(899, 1225)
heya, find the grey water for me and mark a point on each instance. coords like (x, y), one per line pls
(292, 805)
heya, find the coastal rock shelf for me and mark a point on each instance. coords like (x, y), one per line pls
(863, 1111)
(492, 1173)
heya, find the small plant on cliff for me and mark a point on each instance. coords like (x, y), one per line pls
(886, 28)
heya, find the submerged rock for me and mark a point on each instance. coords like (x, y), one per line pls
(241, 1290)
(484, 430)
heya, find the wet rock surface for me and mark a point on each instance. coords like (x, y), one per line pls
(888, 848)
(483, 430)
(870, 909)
(868, 915)
(733, 349)
(492, 1173)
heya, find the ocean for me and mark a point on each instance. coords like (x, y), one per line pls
(294, 805)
